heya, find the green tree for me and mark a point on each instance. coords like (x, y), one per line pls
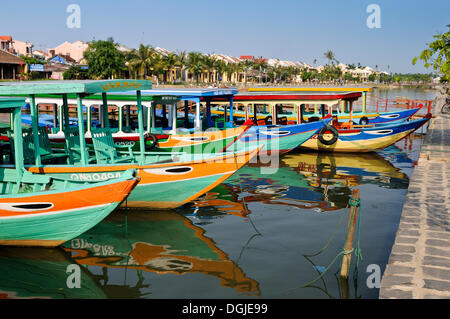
(105, 61)
(210, 64)
(195, 64)
(437, 55)
(330, 56)
(182, 62)
(141, 60)
(170, 62)
(76, 73)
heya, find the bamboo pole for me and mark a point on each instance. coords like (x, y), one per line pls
(352, 217)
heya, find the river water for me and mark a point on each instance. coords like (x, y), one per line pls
(256, 235)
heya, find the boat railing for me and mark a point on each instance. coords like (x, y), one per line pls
(384, 105)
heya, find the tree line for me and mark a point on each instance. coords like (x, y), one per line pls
(106, 61)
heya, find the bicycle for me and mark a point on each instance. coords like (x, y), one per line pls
(446, 107)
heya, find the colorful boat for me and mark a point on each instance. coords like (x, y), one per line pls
(157, 244)
(122, 111)
(167, 180)
(290, 107)
(366, 138)
(37, 210)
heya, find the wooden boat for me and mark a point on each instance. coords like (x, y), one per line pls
(364, 138)
(291, 107)
(156, 139)
(37, 210)
(160, 243)
(211, 141)
(167, 180)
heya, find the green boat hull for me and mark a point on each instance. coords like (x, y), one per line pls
(207, 147)
(170, 194)
(58, 227)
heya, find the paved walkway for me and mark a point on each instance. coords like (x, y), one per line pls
(419, 264)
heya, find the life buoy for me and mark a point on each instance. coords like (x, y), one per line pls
(154, 141)
(326, 130)
(363, 120)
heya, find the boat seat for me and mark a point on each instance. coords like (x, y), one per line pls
(72, 146)
(48, 155)
(45, 146)
(105, 150)
(13, 183)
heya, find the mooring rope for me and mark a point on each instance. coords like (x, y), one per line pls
(247, 213)
(354, 203)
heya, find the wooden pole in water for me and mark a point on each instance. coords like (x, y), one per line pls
(352, 217)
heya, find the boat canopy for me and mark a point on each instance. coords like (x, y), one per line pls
(81, 88)
(314, 89)
(84, 87)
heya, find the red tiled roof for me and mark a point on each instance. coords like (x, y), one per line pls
(246, 57)
(5, 37)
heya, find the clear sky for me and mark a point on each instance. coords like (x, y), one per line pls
(286, 29)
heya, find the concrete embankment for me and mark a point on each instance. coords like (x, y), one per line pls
(419, 264)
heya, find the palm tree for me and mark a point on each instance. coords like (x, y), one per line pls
(330, 56)
(195, 64)
(158, 67)
(141, 59)
(170, 62)
(210, 63)
(221, 68)
(182, 63)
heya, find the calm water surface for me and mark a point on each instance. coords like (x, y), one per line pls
(250, 237)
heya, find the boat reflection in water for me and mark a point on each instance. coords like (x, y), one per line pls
(308, 180)
(42, 273)
(156, 242)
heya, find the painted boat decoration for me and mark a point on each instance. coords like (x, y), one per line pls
(366, 139)
(159, 244)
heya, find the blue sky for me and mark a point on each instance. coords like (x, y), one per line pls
(285, 29)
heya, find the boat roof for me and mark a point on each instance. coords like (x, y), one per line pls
(296, 96)
(72, 86)
(361, 88)
(112, 97)
(193, 92)
(9, 103)
(187, 93)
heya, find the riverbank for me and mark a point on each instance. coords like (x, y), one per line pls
(419, 263)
